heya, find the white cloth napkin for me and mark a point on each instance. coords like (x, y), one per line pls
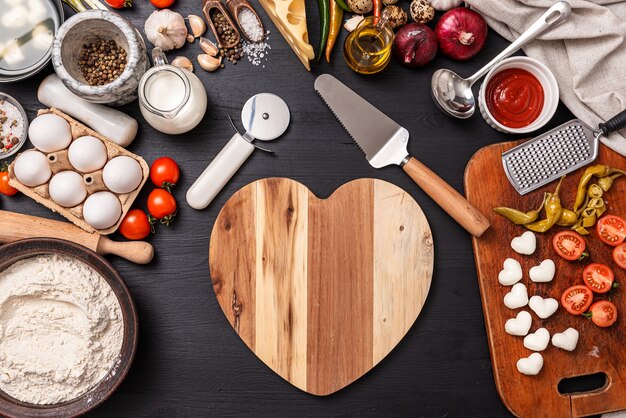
(586, 53)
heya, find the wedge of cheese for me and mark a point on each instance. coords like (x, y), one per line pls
(289, 16)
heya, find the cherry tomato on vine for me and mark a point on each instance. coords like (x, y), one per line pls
(162, 205)
(164, 173)
(135, 225)
(611, 230)
(603, 313)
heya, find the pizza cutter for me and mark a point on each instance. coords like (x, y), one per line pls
(265, 116)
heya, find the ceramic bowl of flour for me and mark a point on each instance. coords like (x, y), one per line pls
(68, 329)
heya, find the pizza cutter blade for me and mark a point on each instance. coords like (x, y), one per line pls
(265, 116)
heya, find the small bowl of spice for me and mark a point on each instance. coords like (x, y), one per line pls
(100, 56)
(13, 126)
(519, 95)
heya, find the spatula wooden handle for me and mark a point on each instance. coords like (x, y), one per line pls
(449, 199)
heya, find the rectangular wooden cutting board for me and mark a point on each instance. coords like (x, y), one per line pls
(598, 350)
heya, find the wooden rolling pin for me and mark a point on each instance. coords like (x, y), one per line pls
(15, 226)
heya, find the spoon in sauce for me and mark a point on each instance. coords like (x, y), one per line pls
(453, 93)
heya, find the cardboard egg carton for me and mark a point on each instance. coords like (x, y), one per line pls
(289, 16)
(93, 181)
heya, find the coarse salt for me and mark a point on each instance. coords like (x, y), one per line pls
(250, 25)
(257, 52)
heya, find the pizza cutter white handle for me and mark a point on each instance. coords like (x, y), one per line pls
(217, 174)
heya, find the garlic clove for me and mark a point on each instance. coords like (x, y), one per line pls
(183, 62)
(353, 22)
(209, 63)
(197, 25)
(190, 38)
(208, 46)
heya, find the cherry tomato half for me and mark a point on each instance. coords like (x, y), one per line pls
(164, 173)
(611, 230)
(570, 245)
(599, 277)
(603, 313)
(135, 225)
(162, 205)
(577, 299)
(619, 255)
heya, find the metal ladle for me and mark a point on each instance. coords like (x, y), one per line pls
(453, 94)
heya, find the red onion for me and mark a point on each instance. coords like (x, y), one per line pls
(461, 32)
(415, 45)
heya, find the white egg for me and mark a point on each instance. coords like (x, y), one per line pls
(102, 210)
(122, 174)
(67, 188)
(32, 168)
(87, 154)
(50, 133)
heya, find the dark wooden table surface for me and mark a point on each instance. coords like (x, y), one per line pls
(189, 361)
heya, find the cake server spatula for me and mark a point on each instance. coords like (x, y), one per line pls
(384, 143)
(555, 153)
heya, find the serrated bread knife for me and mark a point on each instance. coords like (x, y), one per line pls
(384, 142)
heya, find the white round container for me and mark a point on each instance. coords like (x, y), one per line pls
(550, 92)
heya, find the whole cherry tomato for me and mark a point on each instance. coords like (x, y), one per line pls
(5, 188)
(162, 4)
(119, 4)
(162, 205)
(135, 225)
(164, 173)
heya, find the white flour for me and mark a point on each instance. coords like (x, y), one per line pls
(61, 329)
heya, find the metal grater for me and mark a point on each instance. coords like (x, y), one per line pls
(546, 158)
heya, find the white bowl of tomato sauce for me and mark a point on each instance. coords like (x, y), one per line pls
(519, 95)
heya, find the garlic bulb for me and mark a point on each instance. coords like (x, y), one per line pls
(444, 5)
(197, 25)
(183, 62)
(166, 29)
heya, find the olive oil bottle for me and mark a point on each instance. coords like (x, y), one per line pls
(367, 50)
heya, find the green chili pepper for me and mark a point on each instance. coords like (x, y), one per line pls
(599, 171)
(594, 191)
(581, 230)
(517, 216)
(589, 217)
(553, 212)
(343, 5)
(606, 182)
(323, 7)
(568, 218)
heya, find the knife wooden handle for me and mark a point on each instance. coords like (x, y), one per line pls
(16, 226)
(447, 197)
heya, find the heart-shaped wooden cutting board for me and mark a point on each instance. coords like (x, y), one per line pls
(321, 290)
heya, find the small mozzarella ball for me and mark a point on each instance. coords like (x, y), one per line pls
(87, 154)
(122, 174)
(50, 133)
(102, 210)
(67, 188)
(32, 168)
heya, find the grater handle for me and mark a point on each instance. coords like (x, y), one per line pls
(616, 123)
